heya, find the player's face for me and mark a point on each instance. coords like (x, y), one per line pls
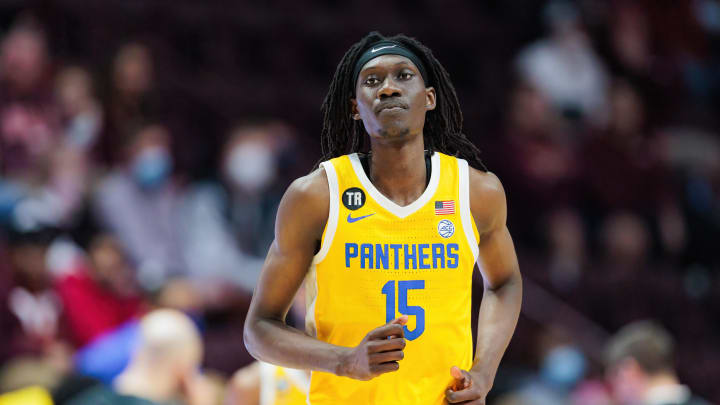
(391, 97)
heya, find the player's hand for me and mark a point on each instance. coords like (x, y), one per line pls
(467, 388)
(378, 353)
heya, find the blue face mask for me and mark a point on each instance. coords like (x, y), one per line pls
(152, 167)
(563, 367)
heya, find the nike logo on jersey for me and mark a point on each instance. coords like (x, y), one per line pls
(351, 219)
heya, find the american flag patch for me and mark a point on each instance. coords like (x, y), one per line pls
(444, 207)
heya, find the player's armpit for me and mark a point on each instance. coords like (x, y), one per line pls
(497, 259)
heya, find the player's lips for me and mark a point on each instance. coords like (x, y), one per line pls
(391, 106)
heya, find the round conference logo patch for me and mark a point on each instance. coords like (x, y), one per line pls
(353, 198)
(446, 228)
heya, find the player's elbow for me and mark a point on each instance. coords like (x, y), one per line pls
(510, 281)
(251, 337)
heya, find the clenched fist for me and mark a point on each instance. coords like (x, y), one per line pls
(378, 353)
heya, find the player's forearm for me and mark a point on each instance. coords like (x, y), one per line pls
(273, 341)
(499, 312)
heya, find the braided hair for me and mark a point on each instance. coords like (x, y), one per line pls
(342, 135)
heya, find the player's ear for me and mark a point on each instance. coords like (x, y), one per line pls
(430, 98)
(354, 110)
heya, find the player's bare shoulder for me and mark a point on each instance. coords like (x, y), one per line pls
(487, 200)
(306, 204)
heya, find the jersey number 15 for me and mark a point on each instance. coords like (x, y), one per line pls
(403, 286)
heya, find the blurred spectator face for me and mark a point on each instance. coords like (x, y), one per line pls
(110, 267)
(566, 233)
(630, 37)
(74, 90)
(628, 113)
(23, 59)
(133, 70)
(626, 238)
(28, 263)
(250, 163)
(530, 112)
(638, 357)
(566, 237)
(627, 382)
(170, 346)
(150, 158)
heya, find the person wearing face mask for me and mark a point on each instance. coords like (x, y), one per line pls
(250, 165)
(250, 169)
(232, 219)
(225, 225)
(139, 202)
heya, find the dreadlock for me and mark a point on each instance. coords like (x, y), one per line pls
(342, 135)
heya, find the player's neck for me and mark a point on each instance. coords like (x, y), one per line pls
(397, 169)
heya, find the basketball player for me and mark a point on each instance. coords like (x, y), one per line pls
(387, 241)
(267, 384)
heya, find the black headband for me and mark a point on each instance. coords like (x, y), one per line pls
(387, 48)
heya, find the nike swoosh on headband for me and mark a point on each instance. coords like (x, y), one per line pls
(382, 47)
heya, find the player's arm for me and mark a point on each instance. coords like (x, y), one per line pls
(301, 219)
(502, 298)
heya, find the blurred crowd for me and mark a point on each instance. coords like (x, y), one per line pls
(144, 150)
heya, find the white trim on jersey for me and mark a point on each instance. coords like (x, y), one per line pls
(329, 235)
(332, 214)
(465, 213)
(267, 383)
(397, 210)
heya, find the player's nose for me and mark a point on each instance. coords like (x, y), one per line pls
(389, 89)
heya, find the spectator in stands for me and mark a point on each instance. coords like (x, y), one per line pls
(139, 202)
(538, 157)
(130, 100)
(640, 367)
(81, 111)
(633, 176)
(166, 363)
(100, 294)
(564, 66)
(31, 301)
(45, 178)
(226, 228)
(57, 194)
(562, 365)
(229, 225)
(28, 117)
(33, 342)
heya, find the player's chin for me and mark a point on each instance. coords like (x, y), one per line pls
(394, 130)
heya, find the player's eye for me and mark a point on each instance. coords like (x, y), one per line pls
(405, 75)
(371, 81)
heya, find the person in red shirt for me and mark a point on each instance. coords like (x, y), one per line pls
(100, 293)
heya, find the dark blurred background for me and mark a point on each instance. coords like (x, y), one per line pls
(144, 147)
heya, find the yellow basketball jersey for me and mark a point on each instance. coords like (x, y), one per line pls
(379, 260)
(282, 386)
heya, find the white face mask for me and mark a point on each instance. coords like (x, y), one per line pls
(251, 166)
